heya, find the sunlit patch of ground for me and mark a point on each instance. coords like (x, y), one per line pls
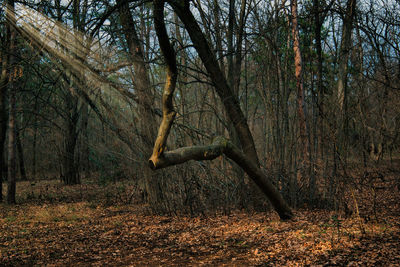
(91, 232)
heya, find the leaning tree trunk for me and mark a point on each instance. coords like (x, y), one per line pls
(248, 159)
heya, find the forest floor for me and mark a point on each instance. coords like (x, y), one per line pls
(88, 224)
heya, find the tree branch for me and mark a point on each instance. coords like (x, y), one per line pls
(219, 147)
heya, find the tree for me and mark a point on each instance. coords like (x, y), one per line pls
(247, 159)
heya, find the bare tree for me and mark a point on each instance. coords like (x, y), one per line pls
(248, 159)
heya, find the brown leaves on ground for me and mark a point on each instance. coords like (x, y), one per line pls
(78, 234)
(61, 232)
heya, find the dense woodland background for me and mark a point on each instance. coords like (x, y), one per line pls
(138, 132)
(317, 82)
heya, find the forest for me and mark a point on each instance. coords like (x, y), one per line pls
(200, 132)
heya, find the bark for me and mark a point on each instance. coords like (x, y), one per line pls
(162, 159)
